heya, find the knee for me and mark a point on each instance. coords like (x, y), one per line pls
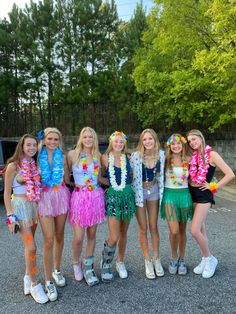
(31, 251)
(78, 241)
(59, 237)
(91, 236)
(153, 229)
(48, 243)
(194, 232)
(113, 240)
(142, 232)
(174, 232)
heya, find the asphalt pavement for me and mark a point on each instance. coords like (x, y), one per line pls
(170, 294)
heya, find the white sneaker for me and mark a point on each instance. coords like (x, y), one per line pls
(149, 270)
(120, 267)
(158, 267)
(27, 284)
(210, 266)
(51, 291)
(200, 267)
(38, 294)
(59, 279)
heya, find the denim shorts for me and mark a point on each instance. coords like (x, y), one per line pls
(151, 194)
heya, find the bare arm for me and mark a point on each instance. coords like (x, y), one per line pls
(104, 165)
(217, 160)
(9, 177)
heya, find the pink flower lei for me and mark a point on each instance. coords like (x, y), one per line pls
(198, 170)
(31, 176)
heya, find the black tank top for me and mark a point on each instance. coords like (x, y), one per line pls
(210, 173)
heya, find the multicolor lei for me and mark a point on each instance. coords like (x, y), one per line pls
(111, 169)
(51, 177)
(31, 176)
(89, 179)
(182, 181)
(198, 170)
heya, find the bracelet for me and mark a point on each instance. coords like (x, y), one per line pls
(213, 187)
(11, 219)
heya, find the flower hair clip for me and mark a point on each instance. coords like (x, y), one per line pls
(176, 139)
(118, 133)
(41, 135)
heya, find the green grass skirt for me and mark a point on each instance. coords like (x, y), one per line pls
(121, 204)
(177, 205)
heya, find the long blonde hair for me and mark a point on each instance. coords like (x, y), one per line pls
(111, 138)
(169, 153)
(199, 134)
(79, 145)
(48, 131)
(157, 145)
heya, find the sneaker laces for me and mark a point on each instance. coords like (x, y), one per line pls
(51, 288)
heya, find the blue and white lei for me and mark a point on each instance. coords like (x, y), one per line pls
(51, 177)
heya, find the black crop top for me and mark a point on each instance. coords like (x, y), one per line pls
(210, 173)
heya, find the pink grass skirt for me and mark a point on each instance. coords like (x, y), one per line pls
(87, 208)
(54, 202)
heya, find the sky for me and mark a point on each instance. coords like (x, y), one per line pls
(125, 7)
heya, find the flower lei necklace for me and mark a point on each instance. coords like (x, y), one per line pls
(172, 176)
(197, 168)
(111, 169)
(89, 179)
(51, 177)
(31, 176)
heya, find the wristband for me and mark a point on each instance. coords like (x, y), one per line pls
(11, 219)
(213, 187)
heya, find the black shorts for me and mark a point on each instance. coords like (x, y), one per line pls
(199, 196)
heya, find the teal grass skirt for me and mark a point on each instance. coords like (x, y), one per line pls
(121, 204)
(177, 205)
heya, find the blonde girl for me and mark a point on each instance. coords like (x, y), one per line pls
(87, 208)
(53, 206)
(148, 176)
(120, 204)
(202, 168)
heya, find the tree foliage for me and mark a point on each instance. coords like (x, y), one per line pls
(186, 69)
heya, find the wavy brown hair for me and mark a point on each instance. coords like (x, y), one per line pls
(18, 154)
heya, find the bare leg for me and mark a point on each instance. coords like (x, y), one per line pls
(182, 239)
(59, 239)
(197, 227)
(77, 243)
(143, 239)
(27, 236)
(174, 237)
(48, 230)
(153, 210)
(91, 240)
(122, 240)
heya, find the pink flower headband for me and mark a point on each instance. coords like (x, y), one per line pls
(121, 133)
(176, 139)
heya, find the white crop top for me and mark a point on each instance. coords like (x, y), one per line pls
(18, 188)
(178, 171)
(79, 177)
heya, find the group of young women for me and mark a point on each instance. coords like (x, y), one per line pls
(39, 175)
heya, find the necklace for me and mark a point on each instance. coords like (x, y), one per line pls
(51, 177)
(89, 179)
(111, 169)
(31, 176)
(148, 184)
(172, 176)
(197, 168)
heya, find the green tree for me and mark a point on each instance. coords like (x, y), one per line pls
(176, 69)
